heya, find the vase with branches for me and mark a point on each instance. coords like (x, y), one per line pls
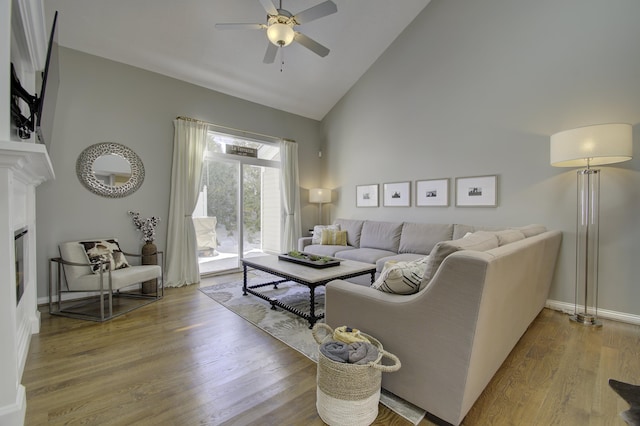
(149, 251)
(147, 226)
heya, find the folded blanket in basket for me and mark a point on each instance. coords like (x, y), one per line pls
(348, 335)
(335, 351)
(352, 353)
(362, 353)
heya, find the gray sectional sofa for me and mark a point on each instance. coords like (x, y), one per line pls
(454, 334)
(379, 242)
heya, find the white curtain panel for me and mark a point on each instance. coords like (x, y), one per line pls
(292, 229)
(189, 144)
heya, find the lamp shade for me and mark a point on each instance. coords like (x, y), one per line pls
(280, 34)
(592, 145)
(319, 195)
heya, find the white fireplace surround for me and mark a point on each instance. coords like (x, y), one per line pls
(23, 166)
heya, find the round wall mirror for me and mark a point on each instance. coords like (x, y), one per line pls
(110, 169)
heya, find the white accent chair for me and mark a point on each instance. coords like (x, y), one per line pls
(103, 293)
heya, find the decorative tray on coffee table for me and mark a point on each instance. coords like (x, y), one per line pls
(312, 260)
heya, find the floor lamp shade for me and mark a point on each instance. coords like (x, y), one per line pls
(319, 196)
(586, 147)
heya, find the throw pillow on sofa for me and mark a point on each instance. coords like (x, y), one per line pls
(401, 277)
(317, 232)
(480, 241)
(333, 237)
(509, 236)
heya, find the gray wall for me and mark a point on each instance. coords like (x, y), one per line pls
(476, 88)
(105, 101)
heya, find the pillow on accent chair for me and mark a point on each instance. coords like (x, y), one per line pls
(107, 251)
(334, 238)
(317, 232)
(401, 277)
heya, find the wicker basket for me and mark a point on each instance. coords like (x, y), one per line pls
(348, 394)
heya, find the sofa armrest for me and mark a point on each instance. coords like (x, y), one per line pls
(432, 332)
(303, 242)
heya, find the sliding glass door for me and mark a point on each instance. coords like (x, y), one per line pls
(239, 209)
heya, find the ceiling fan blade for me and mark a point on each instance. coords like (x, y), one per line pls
(316, 12)
(240, 26)
(310, 44)
(269, 7)
(270, 54)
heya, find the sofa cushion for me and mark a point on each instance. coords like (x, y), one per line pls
(336, 238)
(326, 250)
(479, 241)
(366, 255)
(353, 228)
(317, 232)
(402, 257)
(460, 231)
(106, 251)
(381, 235)
(531, 230)
(401, 277)
(509, 236)
(422, 237)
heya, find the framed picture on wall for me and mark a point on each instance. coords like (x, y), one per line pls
(432, 193)
(397, 194)
(477, 191)
(367, 195)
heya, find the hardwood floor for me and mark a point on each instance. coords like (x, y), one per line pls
(186, 360)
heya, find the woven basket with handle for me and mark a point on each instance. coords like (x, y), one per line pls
(348, 394)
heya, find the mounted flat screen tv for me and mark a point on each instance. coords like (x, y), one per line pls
(41, 107)
(49, 89)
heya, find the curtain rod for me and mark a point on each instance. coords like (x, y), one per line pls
(245, 132)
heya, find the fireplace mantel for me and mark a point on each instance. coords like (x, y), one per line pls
(29, 161)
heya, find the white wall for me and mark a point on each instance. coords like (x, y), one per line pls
(104, 101)
(476, 88)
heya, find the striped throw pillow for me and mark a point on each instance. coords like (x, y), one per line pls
(334, 238)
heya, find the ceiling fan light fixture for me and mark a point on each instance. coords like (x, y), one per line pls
(280, 34)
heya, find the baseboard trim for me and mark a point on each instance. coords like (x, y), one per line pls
(14, 414)
(569, 308)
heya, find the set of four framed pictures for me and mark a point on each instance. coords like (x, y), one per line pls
(473, 191)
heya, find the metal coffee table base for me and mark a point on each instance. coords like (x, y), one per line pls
(311, 316)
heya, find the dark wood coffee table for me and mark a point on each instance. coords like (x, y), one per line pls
(301, 274)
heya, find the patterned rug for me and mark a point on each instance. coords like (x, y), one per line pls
(287, 327)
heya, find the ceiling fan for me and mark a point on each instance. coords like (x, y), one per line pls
(281, 25)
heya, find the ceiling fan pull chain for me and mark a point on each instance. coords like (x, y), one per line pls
(281, 58)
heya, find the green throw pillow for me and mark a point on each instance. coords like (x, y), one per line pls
(334, 238)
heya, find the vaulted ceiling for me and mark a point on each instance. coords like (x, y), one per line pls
(179, 39)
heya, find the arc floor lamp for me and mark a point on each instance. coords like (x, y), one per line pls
(586, 147)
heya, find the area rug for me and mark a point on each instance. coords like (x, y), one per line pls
(287, 327)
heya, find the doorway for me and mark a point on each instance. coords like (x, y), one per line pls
(239, 212)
